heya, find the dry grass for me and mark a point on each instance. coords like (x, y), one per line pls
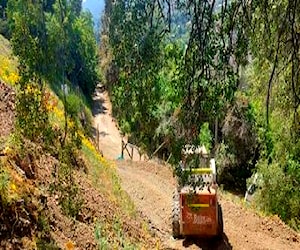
(5, 49)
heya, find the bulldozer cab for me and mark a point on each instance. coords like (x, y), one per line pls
(196, 210)
(197, 170)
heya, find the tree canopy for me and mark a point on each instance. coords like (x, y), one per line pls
(233, 65)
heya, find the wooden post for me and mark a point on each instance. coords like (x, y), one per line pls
(169, 158)
(122, 147)
(125, 147)
(160, 146)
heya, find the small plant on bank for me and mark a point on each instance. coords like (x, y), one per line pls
(4, 186)
(117, 242)
(102, 241)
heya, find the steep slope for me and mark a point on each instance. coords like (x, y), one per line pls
(33, 200)
(7, 108)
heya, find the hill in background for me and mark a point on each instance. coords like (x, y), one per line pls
(96, 7)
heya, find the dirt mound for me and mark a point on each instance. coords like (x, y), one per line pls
(245, 228)
(277, 229)
(7, 109)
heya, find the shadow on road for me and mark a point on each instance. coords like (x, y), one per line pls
(98, 107)
(101, 133)
(209, 244)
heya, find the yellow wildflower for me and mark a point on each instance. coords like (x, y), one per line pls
(13, 187)
(7, 150)
(58, 112)
(69, 245)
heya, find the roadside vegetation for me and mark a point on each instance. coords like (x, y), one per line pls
(56, 190)
(230, 66)
(220, 73)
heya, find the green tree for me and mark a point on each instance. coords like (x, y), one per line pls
(84, 54)
(76, 6)
(28, 25)
(4, 27)
(137, 52)
(234, 67)
(274, 92)
(29, 42)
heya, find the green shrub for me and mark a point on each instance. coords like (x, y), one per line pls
(102, 242)
(103, 231)
(87, 123)
(73, 105)
(32, 114)
(43, 244)
(4, 186)
(69, 198)
(70, 201)
(4, 29)
(205, 136)
(280, 193)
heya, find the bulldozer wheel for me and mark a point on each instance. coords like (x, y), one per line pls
(220, 221)
(176, 215)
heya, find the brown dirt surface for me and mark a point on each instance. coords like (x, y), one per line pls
(151, 187)
(37, 202)
(96, 208)
(109, 134)
(7, 109)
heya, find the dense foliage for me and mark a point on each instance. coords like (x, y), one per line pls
(55, 45)
(231, 67)
(4, 30)
(58, 48)
(57, 40)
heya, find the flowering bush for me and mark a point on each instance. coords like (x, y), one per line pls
(7, 73)
(32, 114)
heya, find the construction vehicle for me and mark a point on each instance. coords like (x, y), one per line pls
(196, 211)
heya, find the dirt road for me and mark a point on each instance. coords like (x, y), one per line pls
(109, 135)
(151, 185)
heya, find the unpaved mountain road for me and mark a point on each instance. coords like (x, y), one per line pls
(151, 185)
(109, 135)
